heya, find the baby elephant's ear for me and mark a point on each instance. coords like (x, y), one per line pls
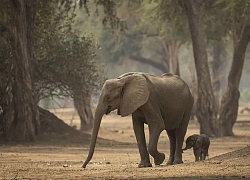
(191, 140)
(135, 93)
(194, 137)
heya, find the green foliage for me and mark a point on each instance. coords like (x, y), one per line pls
(65, 61)
(110, 18)
(67, 66)
(151, 27)
(235, 14)
(171, 19)
(162, 19)
(215, 23)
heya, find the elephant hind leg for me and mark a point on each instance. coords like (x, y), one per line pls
(172, 140)
(204, 154)
(198, 154)
(180, 133)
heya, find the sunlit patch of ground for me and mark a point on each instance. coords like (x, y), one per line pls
(112, 160)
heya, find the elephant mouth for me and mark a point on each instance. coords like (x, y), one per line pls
(108, 110)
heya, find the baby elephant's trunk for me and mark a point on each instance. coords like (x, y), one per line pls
(184, 149)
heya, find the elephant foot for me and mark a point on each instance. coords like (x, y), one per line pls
(177, 161)
(170, 160)
(144, 165)
(159, 159)
(169, 163)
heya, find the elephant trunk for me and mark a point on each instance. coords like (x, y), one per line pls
(187, 147)
(184, 149)
(97, 121)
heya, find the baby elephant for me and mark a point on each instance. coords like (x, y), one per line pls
(200, 144)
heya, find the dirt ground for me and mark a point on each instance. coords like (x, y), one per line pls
(116, 155)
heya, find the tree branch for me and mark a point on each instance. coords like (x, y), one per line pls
(156, 65)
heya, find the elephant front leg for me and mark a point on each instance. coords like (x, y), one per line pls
(154, 133)
(141, 142)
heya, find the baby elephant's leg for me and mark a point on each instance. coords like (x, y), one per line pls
(197, 154)
(205, 154)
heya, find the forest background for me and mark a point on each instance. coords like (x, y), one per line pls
(63, 52)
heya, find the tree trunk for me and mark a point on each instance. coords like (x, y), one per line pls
(82, 103)
(24, 122)
(230, 101)
(172, 56)
(193, 88)
(206, 111)
(216, 65)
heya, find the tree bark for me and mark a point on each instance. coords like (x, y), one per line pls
(24, 122)
(230, 101)
(216, 65)
(193, 88)
(82, 103)
(172, 56)
(206, 111)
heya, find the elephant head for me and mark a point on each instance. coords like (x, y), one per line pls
(190, 142)
(126, 94)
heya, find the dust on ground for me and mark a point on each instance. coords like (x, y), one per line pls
(60, 156)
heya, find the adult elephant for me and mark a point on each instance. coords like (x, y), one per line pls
(162, 102)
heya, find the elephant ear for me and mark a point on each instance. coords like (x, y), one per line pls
(135, 94)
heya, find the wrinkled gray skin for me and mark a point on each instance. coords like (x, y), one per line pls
(163, 102)
(200, 145)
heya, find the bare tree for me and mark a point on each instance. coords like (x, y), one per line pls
(21, 118)
(82, 103)
(230, 101)
(206, 109)
(216, 63)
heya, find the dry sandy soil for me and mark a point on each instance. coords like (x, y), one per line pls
(117, 157)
